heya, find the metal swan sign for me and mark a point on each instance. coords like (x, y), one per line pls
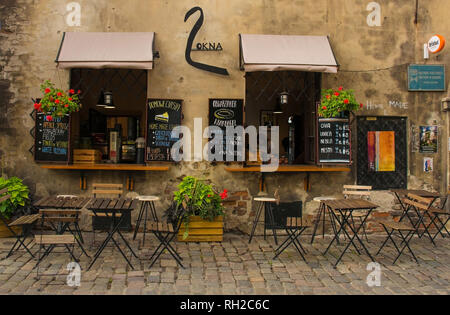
(190, 42)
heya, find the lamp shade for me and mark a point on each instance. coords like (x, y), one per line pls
(101, 100)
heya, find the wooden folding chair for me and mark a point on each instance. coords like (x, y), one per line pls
(166, 232)
(25, 222)
(101, 221)
(422, 207)
(434, 214)
(60, 222)
(295, 226)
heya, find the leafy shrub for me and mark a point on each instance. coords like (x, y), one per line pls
(19, 194)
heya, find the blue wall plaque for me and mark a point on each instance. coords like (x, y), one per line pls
(426, 78)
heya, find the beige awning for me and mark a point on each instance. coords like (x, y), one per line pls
(106, 50)
(287, 52)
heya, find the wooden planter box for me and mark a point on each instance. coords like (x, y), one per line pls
(5, 232)
(203, 231)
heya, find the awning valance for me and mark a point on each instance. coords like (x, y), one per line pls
(106, 50)
(287, 52)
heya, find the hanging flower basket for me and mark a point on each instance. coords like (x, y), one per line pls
(336, 102)
(56, 102)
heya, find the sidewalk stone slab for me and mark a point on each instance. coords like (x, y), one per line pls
(233, 267)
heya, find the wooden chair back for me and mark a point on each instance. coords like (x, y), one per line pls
(356, 191)
(6, 197)
(107, 189)
(419, 202)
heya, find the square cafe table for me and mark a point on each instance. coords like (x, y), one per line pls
(112, 208)
(345, 208)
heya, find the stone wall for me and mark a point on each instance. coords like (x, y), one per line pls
(373, 62)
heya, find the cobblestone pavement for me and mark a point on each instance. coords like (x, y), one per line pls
(234, 267)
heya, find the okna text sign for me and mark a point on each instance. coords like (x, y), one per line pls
(426, 78)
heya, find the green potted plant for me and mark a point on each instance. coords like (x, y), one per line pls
(338, 103)
(19, 196)
(56, 102)
(203, 220)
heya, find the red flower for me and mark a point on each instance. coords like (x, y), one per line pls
(47, 90)
(324, 108)
(49, 118)
(346, 101)
(67, 105)
(209, 196)
(57, 101)
(70, 99)
(37, 106)
(59, 94)
(341, 88)
(224, 195)
(337, 94)
(328, 96)
(361, 105)
(72, 91)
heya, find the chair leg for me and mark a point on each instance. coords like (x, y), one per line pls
(255, 222)
(406, 241)
(387, 239)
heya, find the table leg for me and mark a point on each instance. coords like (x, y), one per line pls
(355, 235)
(341, 229)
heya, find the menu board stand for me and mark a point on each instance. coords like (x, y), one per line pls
(225, 113)
(162, 117)
(334, 141)
(52, 139)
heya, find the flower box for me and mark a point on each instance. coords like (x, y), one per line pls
(203, 231)
(5, 232)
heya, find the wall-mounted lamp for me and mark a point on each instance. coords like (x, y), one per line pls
(106, 100)
(284, 98)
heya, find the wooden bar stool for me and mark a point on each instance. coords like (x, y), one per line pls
(147, 203)
(266, 204)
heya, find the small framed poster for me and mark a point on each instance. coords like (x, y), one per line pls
(428, 165)
(428, 139)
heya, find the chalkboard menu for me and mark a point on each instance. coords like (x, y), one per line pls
(51, 139)
(225, 113)
(334, 141)
(162, 117)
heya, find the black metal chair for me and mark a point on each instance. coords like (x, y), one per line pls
(59, 221)
(404, 230)
(294, 228)
(25, 222)
(440, 218)
(166, 232)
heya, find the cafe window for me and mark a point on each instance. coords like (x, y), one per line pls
(113, 115)
(295, 116)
